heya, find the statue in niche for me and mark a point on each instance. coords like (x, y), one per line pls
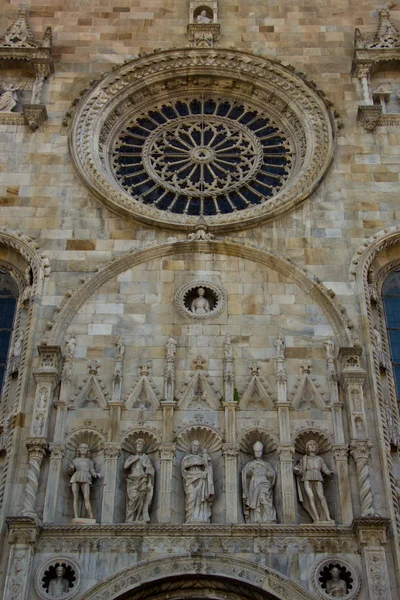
(140, 485)
(59, 585)
(16, 353)
(200, 305)
(82, 471)
(198, 483)
(202, 17)
(336, 587)
(258, 480)
(9, 98)
(310, 470)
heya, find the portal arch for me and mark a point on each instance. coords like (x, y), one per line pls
(218, 577)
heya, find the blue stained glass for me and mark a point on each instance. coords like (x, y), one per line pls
(8, 301)
(391, 299)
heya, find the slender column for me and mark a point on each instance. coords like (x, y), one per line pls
(167, 454)
(115, 419)
(230, 452)
(118, 372)
(52, 490)
(363, 76)
(112, 452)
(340, 456)
(36, 452)
(168, 420)
(352, 380)
(286, 454)
(360, 451)
(46, 377)
(23, 532)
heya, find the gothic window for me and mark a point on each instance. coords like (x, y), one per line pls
(8, 301)
(391, 299)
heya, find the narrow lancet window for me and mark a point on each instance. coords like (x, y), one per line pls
(391, 299)
(8, 302)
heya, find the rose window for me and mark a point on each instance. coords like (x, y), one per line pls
(201, 157)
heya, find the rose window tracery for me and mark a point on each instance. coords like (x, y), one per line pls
(202, 157)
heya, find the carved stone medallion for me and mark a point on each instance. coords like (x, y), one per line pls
(200, 300)
(336, 578)
(59, 577)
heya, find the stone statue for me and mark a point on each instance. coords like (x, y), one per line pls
(310, 470)
(37, 90)
(378, 340)
(140, 484)
(200, 305)
(170, 348)
(70, 348)
(16, 353)
(27, 292)
(280, 347)
(329, 347)
(228, 347)
(82, 471)
(59, 585)
(120, 347)
(336, 587)
(258, 480)
(202, 17)
(198, 483)
(9, 98)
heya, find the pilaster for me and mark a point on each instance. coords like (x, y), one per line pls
(340, 455)
(167, 456)
(23, 533)
(53, 483)
(230, 452)
(286, 454)
(112, 452)
(372, 537)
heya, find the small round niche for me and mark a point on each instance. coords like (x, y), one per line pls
(336, 578)
(58, 578)
(200, 300)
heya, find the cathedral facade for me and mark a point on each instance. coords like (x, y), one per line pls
(199, 300)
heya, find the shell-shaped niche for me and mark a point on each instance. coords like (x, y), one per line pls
(250, 437)
(303, 436)
(151, 441)
(210, 440)
(91, 437)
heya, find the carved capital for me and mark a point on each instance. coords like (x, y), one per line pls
(37, 447)
(57, 451)
(286, 453)
(340, 452)
(371, 531)
(50, 359)
(167, 451)
(22, 530)
(112, 451)
(230, 450)
(360, 449)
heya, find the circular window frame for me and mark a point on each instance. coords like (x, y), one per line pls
(185, 289)
(129, 88)
(353, 593)
(40, 573)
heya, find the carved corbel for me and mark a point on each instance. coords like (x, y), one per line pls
(369, 115)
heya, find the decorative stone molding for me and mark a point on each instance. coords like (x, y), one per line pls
(151, 441)
(348, 573)
(212, 293)
(18, 44)
(85, 435)
(248, 438)
(74, 573)
(360, 451)
(144, 392)
(369, 116)
(302, 436)
(203, 35)
(265, 84)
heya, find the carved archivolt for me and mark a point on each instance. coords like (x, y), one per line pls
(265, 581)
(250, 437)
(210, 440)
(251, 102)
(313, 288)
(151, 441)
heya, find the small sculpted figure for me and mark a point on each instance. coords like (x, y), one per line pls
(258, 480)
(336, 587)
(140, 484)
(82, 471)
(9, 98)
(200, 305)
(170, 348)
(37, 90)
(310, 470)
(202, 17)
(198, 482)
(59, 585)
(70, 348)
